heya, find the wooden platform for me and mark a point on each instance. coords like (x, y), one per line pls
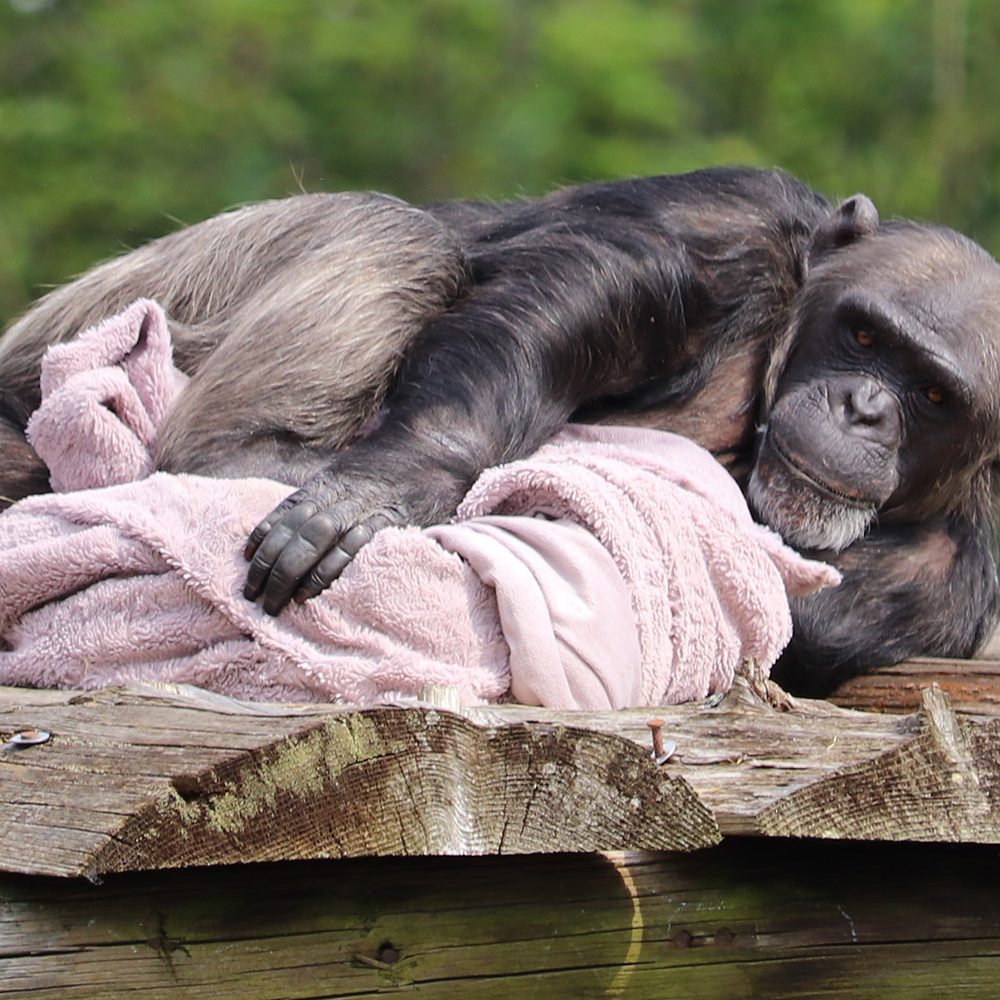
(972, 686)
(139, 779)
(751, 919)
(784, 832)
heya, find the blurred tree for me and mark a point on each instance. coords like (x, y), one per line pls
(120, 117)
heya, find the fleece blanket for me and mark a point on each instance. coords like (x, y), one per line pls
(614, 567)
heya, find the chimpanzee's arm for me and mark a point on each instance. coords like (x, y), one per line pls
(550, 323)
(907, 591)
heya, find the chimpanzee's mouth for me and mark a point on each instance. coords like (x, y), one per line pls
(822, 488)
(809, 515)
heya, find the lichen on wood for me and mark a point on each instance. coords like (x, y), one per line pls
(165, 777)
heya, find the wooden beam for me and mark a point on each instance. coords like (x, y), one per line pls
(131, 781)
(775, 919)
(973, 686)
(155, 778)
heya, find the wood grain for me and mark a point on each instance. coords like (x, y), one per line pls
(752, 918)
(973, 686)
(154, 778)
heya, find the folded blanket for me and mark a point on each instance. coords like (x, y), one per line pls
(105, 394)
(614, 567)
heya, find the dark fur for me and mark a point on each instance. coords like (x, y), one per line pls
(696, 303)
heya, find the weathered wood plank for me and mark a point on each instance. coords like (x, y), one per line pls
(973, 686)
(233, 787)
(120, 786)
(750, 918)
(743, 755)
(944, 786)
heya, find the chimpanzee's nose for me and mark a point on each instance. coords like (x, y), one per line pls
(862, 405)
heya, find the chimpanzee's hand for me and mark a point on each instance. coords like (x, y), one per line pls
(308, 540)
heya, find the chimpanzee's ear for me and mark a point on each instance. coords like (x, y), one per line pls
(851, 220)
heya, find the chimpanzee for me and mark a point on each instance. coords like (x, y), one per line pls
(379, 356)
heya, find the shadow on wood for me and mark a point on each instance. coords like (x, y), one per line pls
(751, 918)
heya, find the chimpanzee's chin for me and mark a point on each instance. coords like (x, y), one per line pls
(804, 516)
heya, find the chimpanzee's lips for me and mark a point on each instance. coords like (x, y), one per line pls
(822, 488)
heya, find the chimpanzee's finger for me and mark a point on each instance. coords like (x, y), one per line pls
(302, 552)
(264, 528)
(273, 544)
(335, 562)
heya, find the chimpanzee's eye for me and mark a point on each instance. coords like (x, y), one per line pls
(934, 395)
(864, 338)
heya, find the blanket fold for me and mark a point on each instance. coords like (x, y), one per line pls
(104, 396)
(614, 567)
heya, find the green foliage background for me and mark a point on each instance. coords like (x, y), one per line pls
(121, 118)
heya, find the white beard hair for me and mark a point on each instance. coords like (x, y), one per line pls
(804, 518)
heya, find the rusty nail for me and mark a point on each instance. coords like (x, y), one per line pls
(662, 751)
(655, 727)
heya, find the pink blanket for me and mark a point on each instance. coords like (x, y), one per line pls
(614, 567)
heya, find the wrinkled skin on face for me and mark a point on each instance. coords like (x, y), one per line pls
(879, 452)
(888, 404)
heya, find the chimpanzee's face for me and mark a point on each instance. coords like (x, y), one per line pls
(889, 402)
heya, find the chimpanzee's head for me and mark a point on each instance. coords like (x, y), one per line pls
(885, 400)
